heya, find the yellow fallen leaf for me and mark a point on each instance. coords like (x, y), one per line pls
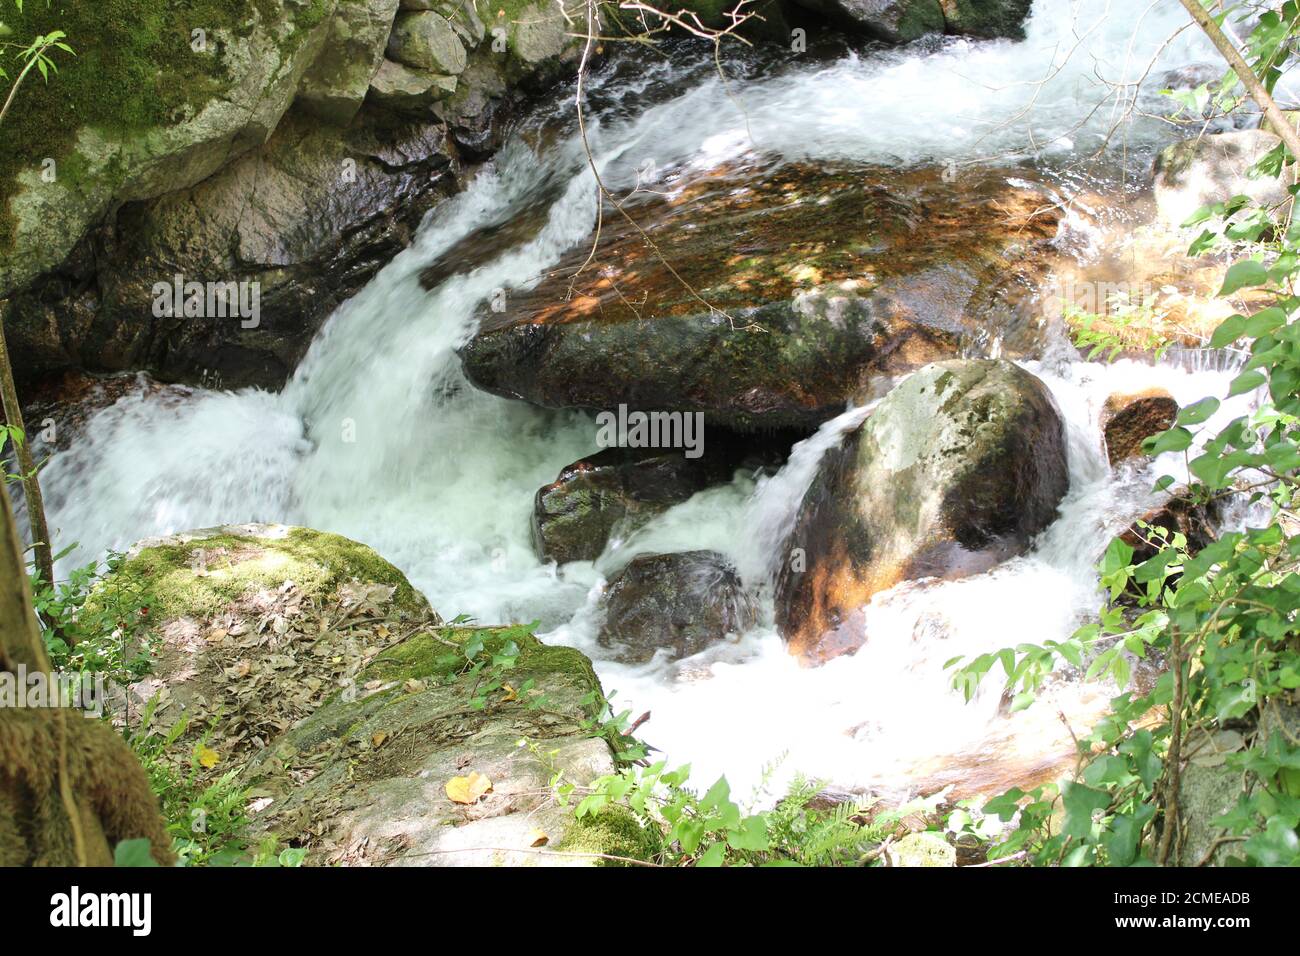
(208, 757)
(538, 837)
(510, 694)
(468, 789)
(377, 739)
(382, 630)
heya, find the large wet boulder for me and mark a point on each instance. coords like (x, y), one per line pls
(681, 603)
(789, 291)
(614, 490)
(901, 21)
(1212, 169)
(957, 469)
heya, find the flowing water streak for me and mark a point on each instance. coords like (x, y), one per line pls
(378, 437)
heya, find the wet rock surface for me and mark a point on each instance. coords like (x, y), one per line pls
(795, 288)
(681, 603)
(614, 490)
(955, 470)
(1126, 420)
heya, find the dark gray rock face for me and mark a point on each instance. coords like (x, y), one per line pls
(958, 468)
(615, 489)
(683, 603)
(309, 218)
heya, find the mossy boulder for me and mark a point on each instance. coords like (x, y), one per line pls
(309, 665)
(957, 469)
(255, 625)
(158, 97)
(425, 40)
(364, 780)
(336, 84)
(788, 291)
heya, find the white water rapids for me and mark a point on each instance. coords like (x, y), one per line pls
(440, 477)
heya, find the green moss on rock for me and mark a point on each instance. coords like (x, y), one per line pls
(133, 70)
(198, 573)
(614, 831)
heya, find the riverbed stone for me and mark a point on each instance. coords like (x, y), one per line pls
(957, 469)
(614, 490)
(1128, 419)
(681, 603)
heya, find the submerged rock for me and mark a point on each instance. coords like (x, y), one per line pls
(1126, 420)
(683, 603)
(1196, 522)
(956, 469)
(805, 285)
(1212, 169)
(615, 489)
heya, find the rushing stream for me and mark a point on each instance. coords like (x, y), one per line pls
(378, 437)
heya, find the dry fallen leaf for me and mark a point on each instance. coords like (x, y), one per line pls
(468, 789)
(377, 739)
(382, 630)
(510, 694)
(208, 757)
(538, 837)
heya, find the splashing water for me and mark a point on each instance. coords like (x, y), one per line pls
(378, 437)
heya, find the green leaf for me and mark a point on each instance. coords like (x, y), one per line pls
(133, 853)
(1198, 412)
(1246, 382)
(1080, 802)
(713, 856)
(1248, 272)
(1176, 439)
(750, 835)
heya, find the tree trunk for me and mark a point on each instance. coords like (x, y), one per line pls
(70, 788)
(44, 553)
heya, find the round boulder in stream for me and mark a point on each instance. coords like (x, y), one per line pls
(772, 296)
(682, 603)
(956, 469)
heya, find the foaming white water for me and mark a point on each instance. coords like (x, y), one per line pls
(378, 437)
(887, 713)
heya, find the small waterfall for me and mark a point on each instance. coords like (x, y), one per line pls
(377, 436)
